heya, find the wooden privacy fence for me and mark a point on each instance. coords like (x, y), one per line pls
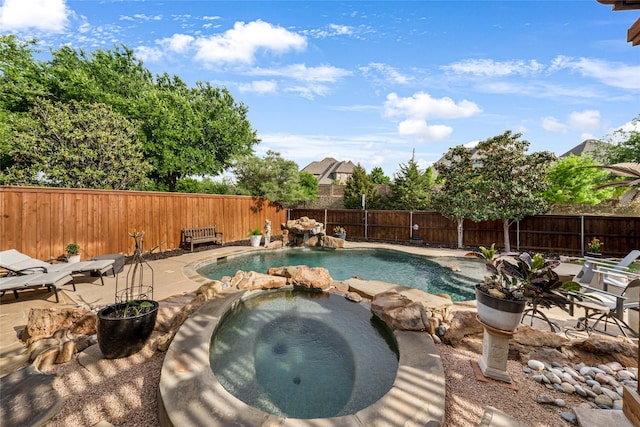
(562, 234)
(41, 221)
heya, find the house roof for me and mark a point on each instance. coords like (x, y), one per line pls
(326, 169)
(588, 146)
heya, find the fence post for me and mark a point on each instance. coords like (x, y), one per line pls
(518, 236)
(581, 235)
(325, 219)
(365, 226)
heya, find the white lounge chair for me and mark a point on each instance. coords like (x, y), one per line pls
(586, 274)
(608, 307)
(19, 263)
(36, 280)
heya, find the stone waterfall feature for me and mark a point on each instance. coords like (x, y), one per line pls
(307, 232)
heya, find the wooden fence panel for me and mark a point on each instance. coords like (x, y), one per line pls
(41, 221)
(561, 234)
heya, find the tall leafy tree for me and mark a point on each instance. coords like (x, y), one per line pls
(511, 181)
(74, 145)
(273, 178)
(197, 131)
(458, 197)
(21, 76)
(573, 180)
(378, 177)
(627, 147)
(412, 187)
(359, 184)
(113, 77)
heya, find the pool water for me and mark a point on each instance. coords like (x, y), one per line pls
(301, 354)
(428, 274)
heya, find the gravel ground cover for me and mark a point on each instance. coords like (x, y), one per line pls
(123, 392)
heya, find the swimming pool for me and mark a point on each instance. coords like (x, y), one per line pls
(429, 274)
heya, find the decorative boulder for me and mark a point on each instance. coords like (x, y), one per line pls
(398, 311)
(43, 322)
(316, 278)
(252, 280)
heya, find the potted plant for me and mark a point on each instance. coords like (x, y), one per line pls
(593, 247)
(72, 250)
(255, 236)
(339, 232)
(517, 280)
(124, 327)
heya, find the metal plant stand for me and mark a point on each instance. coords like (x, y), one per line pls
(135, 287)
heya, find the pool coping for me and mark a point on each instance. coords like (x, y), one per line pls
(189, 394)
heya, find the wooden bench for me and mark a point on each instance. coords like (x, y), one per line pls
(200, 235)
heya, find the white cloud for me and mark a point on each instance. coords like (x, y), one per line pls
(490, 68)
(44, 15)
(422, 106)
(389, 74)
(309, 91)
(610, 73)
(149, 54)
(415, 110)
(242, 42)
(332, 30)
(423, 131)
(259, 86)
(553, 125)
(579, 121)
(585, 120)
(178, 43)
(323, 73)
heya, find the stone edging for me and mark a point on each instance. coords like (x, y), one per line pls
(189, 394)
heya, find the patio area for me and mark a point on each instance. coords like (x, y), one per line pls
(175, 277)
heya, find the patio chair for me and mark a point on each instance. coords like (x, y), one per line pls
(608, 307)
(36, 280)
(585, 276)
(19, 263)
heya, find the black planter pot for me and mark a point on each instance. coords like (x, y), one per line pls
(342, 236)
(499, 313)
(123, 336)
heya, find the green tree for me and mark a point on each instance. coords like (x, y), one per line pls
(458, 197)
(358, 184)
(198, 131)
(21, 76)
(627, 150)
(411, 187)
(572, 180)
(273, 178)
(309, 184)
(378, 177)
(511, 181)
(74, 145)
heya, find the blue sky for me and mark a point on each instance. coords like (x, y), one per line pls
(372, 81)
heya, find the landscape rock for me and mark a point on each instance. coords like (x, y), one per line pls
(43, 322)
(316, 278)
(398, 311)
(252, 281)
(353, 296)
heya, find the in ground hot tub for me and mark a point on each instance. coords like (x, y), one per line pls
(301, 354)
(274, 368)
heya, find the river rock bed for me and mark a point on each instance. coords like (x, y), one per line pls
(601, 386)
